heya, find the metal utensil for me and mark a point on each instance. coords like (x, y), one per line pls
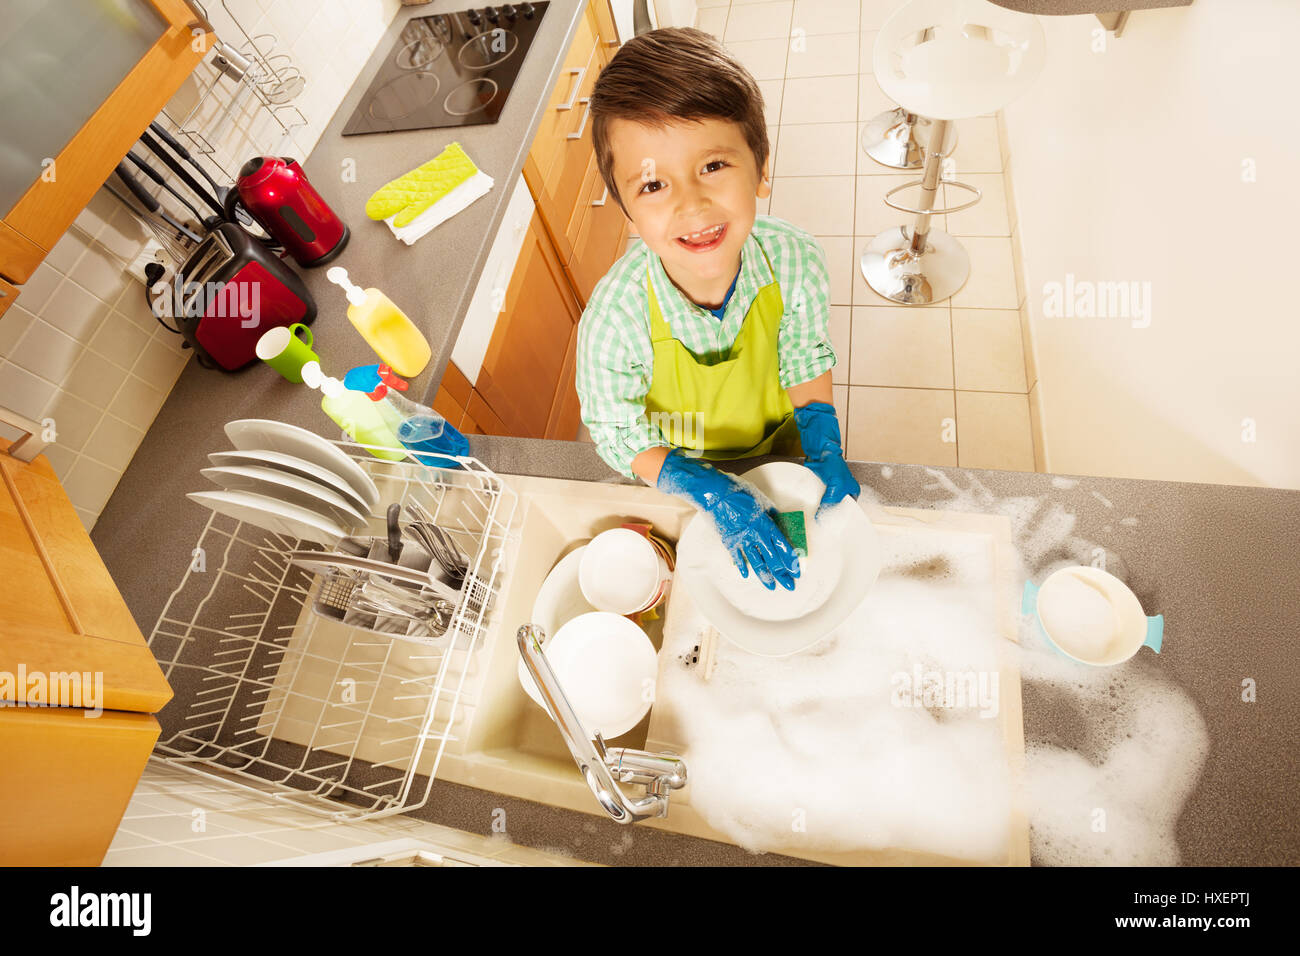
(175, 166)
(147, 200)
(162, 181)
(394, 532)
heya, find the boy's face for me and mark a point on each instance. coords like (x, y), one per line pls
(687, 177)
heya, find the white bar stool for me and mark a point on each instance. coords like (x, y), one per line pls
(945, 60)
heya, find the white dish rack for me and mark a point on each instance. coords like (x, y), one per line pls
(234, 635)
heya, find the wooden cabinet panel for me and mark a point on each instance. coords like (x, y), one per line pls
(483, 419)
(449, 408)
(566, 411)
(59, 608)
(605, 24)
(600, 237)
(456, 384)
(556, 123)
(8, 294)
(526, 358)
(68, 780)
(67, 641)
(47, 209)
(566, 163)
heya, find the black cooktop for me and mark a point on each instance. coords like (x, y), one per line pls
(449, 69)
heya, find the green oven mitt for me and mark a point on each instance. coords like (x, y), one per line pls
(408, 196)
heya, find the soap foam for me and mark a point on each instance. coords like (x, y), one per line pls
(828, 751)
(836, 749)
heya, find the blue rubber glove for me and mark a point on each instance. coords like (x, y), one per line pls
(819, 433)
(747, 531)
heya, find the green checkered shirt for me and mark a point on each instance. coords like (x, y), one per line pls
(616, 360)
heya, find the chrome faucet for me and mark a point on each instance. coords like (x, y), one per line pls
(604, 768)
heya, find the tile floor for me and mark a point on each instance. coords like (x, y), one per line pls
(176, 818)
(943, 385)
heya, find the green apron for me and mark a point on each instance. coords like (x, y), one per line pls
(733, 408)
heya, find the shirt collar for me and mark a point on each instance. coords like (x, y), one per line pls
(754, 274)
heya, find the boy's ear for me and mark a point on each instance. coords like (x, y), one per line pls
(765, 182)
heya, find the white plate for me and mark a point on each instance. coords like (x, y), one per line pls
(842, 565)
(603, 662)
(253, 434)
(292, 489)
(273, 515)
(559, 600)
(292, 466)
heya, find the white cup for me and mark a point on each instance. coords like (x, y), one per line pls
(622, 572)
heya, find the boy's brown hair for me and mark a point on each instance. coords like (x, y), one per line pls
(674, 73)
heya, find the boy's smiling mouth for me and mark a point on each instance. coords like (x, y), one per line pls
(704, 240)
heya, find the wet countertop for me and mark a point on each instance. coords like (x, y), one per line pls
(1219, 562)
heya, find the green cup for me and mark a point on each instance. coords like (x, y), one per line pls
(287, 349)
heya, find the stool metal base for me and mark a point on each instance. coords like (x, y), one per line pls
(890, 139)
(896, 273)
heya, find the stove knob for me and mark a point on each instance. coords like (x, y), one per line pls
(473, 16)
(509, 10)
(528, 10)
(490, 13)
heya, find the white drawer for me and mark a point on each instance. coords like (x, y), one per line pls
(490, 294)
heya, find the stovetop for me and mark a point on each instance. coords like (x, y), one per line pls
(449, 69)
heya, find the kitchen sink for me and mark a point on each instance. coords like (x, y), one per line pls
(501, 741)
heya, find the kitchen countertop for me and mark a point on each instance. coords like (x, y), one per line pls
(1219, 562)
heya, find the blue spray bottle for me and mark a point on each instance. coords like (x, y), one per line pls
(421, 429)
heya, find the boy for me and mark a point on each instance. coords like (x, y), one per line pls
(710, 338)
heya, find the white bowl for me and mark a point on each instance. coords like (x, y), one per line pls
(607, 668)
(621, 572)
(1093, 617)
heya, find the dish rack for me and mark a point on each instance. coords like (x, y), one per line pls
(235, 634)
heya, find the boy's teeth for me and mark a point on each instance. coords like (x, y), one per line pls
(702, 236)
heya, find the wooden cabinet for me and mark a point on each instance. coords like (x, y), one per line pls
(66, 639)
(30, 229)
(524, 372)
(8, 295)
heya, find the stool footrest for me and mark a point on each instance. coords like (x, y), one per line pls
(933, 212)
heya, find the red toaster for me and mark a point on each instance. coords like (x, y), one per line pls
(230, 291)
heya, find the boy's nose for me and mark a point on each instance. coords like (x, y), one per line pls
(691, 201)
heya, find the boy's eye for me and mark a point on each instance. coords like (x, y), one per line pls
(645, 187)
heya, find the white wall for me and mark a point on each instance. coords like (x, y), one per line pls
(1128, 165)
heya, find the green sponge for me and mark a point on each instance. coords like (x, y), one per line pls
(792, 526)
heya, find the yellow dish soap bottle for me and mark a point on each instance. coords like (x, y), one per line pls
(355, 413)
(388, 330)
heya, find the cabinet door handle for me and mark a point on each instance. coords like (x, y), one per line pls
(585, 114)
(581, 73)
(603, 196)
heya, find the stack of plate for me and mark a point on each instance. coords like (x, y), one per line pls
(289, 481)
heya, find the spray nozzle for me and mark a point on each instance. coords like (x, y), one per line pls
(339, 276)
